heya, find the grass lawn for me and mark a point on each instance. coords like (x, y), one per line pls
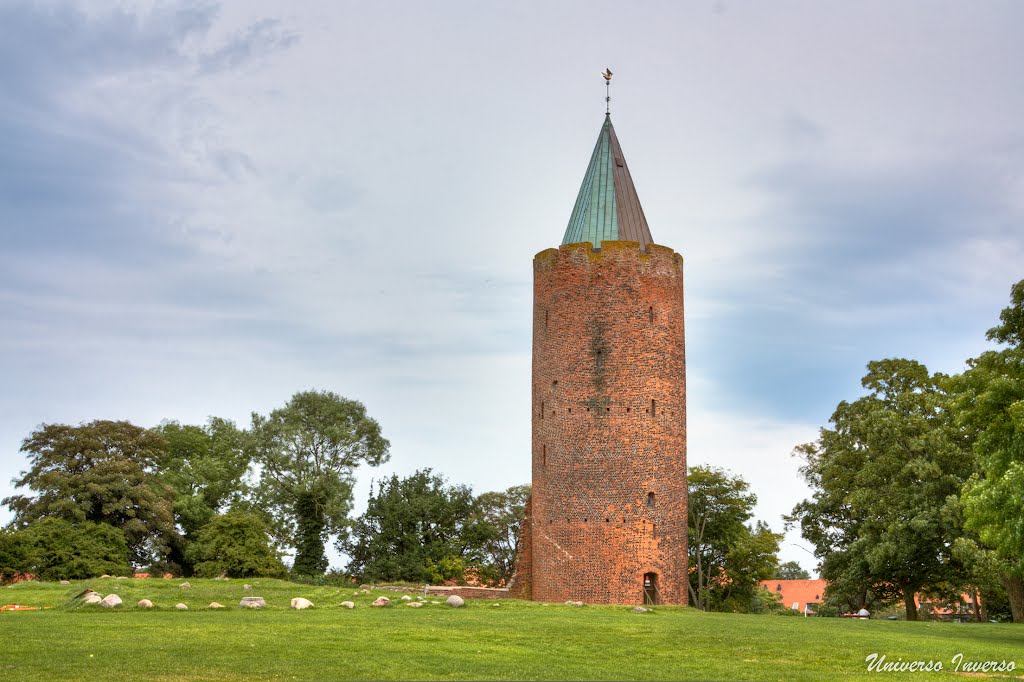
(518, 640)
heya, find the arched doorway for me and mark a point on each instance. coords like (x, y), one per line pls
(651, 594)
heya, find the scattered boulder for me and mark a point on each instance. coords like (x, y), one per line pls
(252, 602)
(406, 597)
(92, 598)
(573, 603)
(495, 604)
(185, 586)
(181, 607)
(435, 602)
(145, 604)
(640, 609)
(421, 598)
(104, 576)
(364, 587)
(65, 582)
(365, 591)
(215, 605)
(110, 601)
(247, 588)
(301, 603)
(348, 604)
(455, 601)
(121, 577)
(415, 604)
(381, 601)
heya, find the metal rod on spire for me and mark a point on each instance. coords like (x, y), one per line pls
(607, 90)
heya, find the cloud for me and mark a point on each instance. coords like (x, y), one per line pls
(867, 260)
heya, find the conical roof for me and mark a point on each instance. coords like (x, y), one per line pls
(607, 207)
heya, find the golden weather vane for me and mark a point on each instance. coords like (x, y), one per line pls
(607, 90)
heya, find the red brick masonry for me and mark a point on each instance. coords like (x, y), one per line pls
(609, 427)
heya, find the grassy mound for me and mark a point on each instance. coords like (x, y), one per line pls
(516, 640)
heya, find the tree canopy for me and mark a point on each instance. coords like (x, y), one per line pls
(100, 472)
(990, 408)
(791, 570)
(57, 549)
(308, 451)
(501, 515)
(236, 545)
(728, 557)
(886, 481)
(418, 529)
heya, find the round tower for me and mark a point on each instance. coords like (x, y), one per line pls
(607, 520)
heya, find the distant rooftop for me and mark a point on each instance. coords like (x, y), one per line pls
(607, 207)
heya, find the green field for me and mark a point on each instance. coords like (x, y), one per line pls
(517, 640)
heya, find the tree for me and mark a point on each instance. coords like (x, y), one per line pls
(101, 472)
(886, 482)
(990, 406)
(728, 557)
(236, 545)
(308, 451)
(791, 570)
(417, 529)
(56, 549)
(206, 466)
(502, 515)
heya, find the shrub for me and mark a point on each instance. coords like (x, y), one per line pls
(237, 545)
(57, 549)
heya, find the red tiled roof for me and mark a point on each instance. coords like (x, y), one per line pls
(798, 592)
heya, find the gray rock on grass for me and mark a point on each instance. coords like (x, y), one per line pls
(181, 607)
(414, 604)
(348, 604)
(92, 598)
(215, 605)
(110, 601)
(145, 604)
(381, 601)
(406, 597)
(301, 603)
(252, 602)
(455, 601)
(185, 586)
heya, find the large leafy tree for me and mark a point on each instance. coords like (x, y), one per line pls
(207, 468)
(990, 405)
(728, 557)
(886, 481)
(102, 472)
(308, 451)
(416, 528)
(501, 513)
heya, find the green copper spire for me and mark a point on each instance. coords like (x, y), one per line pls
(607, 207)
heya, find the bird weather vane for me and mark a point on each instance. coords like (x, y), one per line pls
(607, 90)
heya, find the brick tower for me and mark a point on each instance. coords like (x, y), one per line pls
(606, 522)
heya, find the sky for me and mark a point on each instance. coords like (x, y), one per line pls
(207, 207)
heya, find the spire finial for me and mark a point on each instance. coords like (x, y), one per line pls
(607, 90)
